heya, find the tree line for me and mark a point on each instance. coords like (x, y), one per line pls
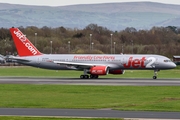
(97, 40)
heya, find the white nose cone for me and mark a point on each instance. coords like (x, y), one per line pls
(172, 65)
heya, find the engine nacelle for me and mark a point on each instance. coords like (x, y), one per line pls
(99, 70)
(117, 71)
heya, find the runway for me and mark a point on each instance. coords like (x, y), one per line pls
(88, 113)
(102, 113)
(101, 81)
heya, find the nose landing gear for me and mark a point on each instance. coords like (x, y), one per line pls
(155, 74)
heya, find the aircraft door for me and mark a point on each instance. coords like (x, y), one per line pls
(156, 62)
(39, 59)
(123, 60)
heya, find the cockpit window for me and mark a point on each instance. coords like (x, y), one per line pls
(167, 60)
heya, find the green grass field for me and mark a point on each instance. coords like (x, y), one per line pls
(38, 72)
(149, 98)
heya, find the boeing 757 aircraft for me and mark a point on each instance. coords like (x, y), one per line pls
(93, 64)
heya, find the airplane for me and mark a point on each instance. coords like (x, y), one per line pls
(93, 65)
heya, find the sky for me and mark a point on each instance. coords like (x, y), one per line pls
(75, 2)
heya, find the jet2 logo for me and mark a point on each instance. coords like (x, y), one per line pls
(22, 38)
(140, 63)
(136, 63)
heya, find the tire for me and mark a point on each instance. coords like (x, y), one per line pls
(93, 76)
(82, 76)
(86, 76)
(154, 77)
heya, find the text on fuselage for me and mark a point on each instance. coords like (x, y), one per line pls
(135, 63)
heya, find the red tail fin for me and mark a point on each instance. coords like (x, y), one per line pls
(23, 45)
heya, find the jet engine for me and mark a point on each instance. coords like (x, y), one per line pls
(99, 70)
(117, 72)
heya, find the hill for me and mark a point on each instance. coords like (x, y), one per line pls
(114, 16)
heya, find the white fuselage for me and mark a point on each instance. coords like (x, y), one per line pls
(115, 61)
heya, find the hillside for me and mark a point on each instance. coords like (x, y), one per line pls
(114, 16)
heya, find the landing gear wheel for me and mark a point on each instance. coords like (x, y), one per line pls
(96, 76)
(84, 76)
(154, 77)
(93, 76)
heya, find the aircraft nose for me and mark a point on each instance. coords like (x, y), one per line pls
(173, 65)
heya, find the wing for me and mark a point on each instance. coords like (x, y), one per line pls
(78, 65)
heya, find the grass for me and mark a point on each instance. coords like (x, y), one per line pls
(51, 118)
(37, 72)
(138, 98)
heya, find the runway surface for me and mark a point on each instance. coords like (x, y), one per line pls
(105, 113)
(88, 113)
(102, 81)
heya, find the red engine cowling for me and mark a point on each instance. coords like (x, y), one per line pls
(116, 72)
(99, 70)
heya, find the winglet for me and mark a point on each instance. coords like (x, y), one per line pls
(23, 45)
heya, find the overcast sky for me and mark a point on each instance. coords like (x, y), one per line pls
(72, 2)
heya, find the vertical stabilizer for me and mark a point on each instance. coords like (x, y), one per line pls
(23, 45)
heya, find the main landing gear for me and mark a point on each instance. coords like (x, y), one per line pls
(155, 74)
(84, 76)
(87, 76)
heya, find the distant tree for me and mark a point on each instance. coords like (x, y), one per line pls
(172, 28)
(78, 35)
(157, 40)
(130, 30)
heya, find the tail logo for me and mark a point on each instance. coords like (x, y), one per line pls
(23, 39)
